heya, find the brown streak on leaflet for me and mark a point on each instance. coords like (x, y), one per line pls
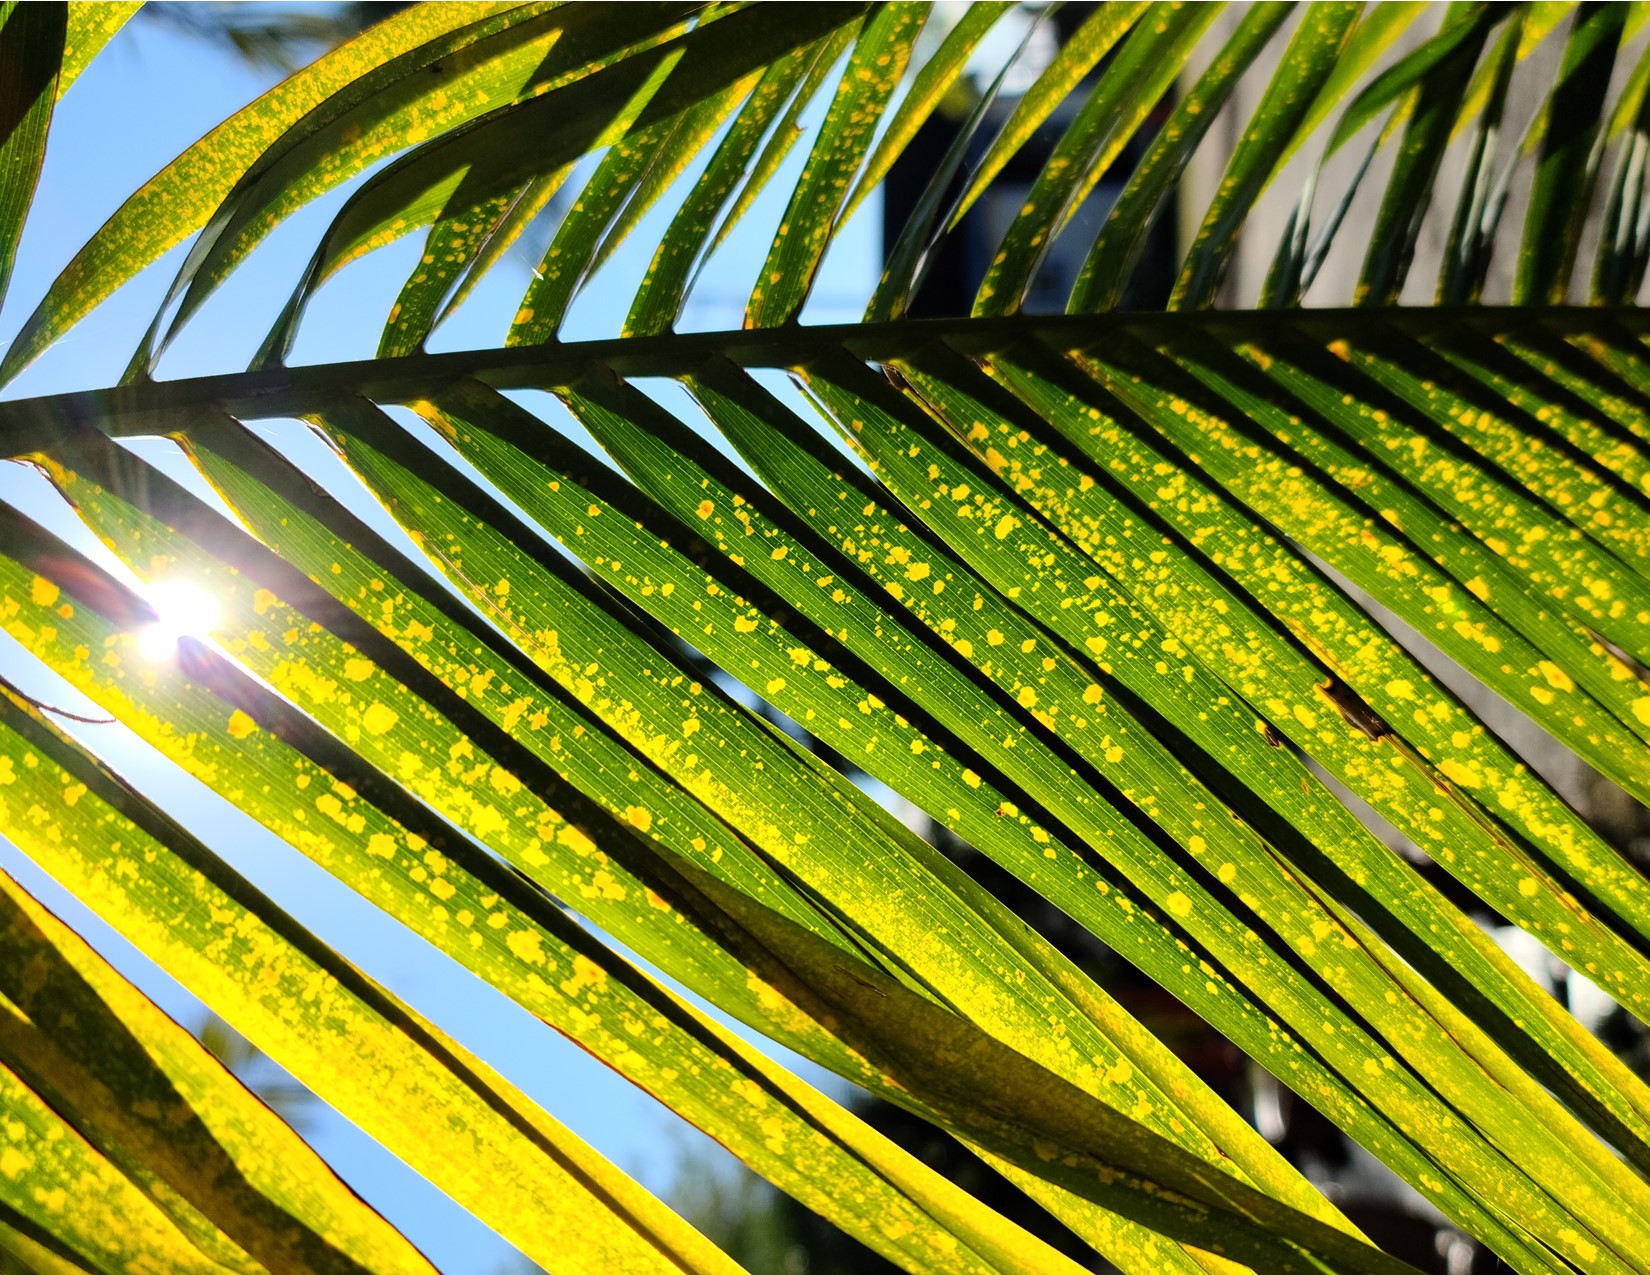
(1356, 713)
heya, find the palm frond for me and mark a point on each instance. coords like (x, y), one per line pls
(1150, 609)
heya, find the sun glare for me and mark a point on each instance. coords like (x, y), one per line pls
(184, 609)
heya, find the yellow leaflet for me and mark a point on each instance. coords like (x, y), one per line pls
(54, 1179)
(183, 1117)
(355, 1046)
(91, 26)
(731, 1092)
(178, 200)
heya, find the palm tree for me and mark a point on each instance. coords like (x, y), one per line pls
(1138, 607)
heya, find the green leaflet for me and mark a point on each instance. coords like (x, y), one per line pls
(509, 146)
(33, 1251)
(1466, 254)
(1378, 28)
(1616, 346)
(31, 53)
(693, 131)
(1077, 56)
(179, 199)
(1541, 19)
(535, 197)
(659, 298)
(631, 176)
(150, 1097)
(1502, 1069)
(353, 1045)
(1312, 55)
(1441, 819)
(538, 61)
(821, 59)
(91, 25)
(875, 65)
(1435, 107)
(1106, 269)
(906, 264)
(1135, 80)
(1566, 164)
(458, 250)
(1618, 268)
(1179, 1195)
(933, 84)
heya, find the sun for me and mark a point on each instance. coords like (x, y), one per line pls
(182, 609)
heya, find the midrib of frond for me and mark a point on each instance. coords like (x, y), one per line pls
(150, 407)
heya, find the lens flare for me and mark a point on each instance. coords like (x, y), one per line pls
(182, 609)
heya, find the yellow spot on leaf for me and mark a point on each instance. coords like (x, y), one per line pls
(1466, 776)
(379, 718)
(586, 973)
(1556, 677)
(525, 944)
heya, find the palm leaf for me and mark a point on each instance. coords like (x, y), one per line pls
(1121, 601)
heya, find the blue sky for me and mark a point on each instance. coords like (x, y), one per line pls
(151, 93)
